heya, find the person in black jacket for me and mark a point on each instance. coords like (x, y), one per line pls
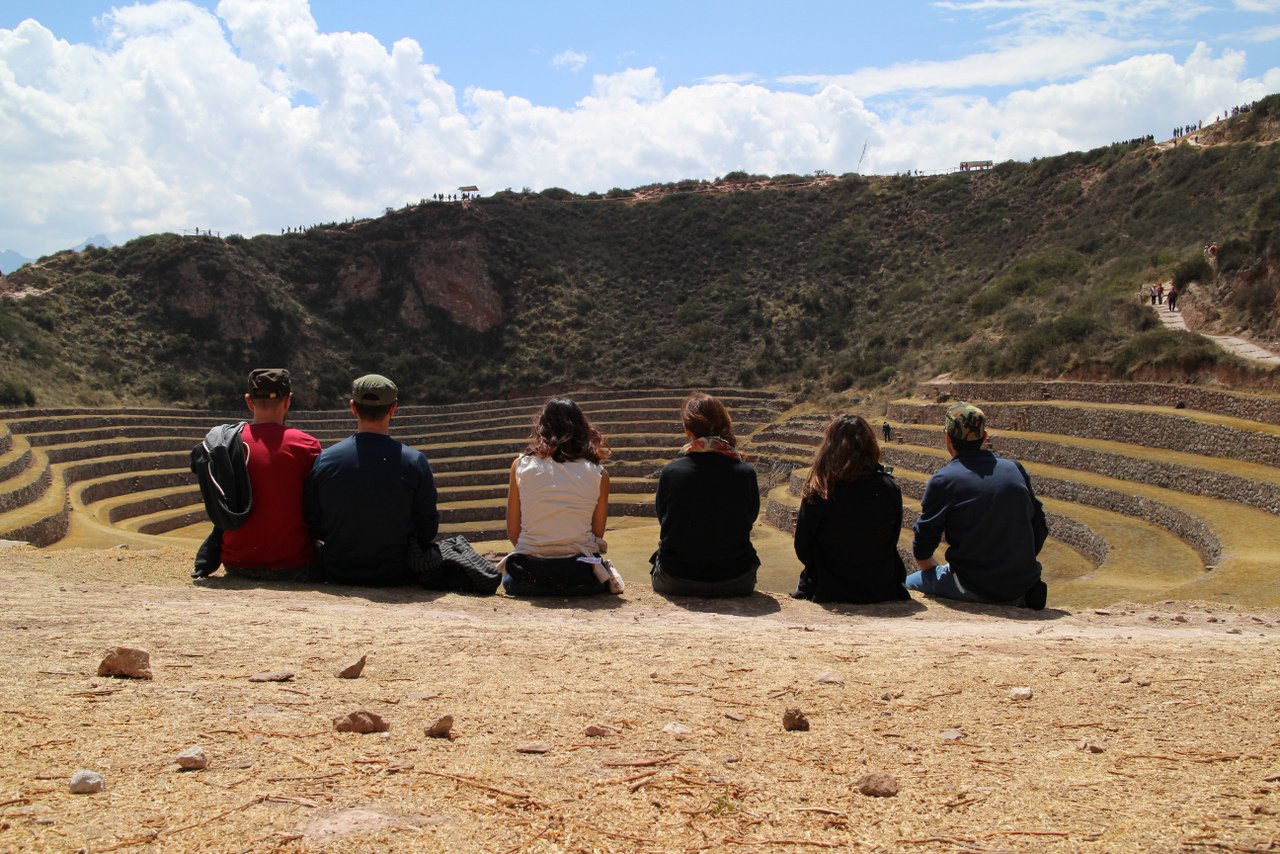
(707, 501)
(850, 518)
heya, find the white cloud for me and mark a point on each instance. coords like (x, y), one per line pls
(569, 59)
(252, 119)
(1267, 7)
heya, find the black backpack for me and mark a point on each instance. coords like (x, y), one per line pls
(221, 465)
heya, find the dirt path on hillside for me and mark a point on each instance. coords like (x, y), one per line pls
(1236, 346)
(1148, 728)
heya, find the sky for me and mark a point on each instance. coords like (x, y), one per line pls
(249, 116)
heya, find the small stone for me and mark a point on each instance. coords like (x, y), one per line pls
(361, 721)
(891, 695)
(1212, 620)
(442, 727)
(534, 747)
(878, 784)
(192, 759)
(597, 731)
(730, 760)
(793, 720)
(735, 716)
(397, 767)
(1179, 618)
(1021, 693)
(1143, 683)
(279, 676)
(1090, 746)
(352, 670)
(127, 662)
(829, 679)
(951, 735)
(86, 782)
(1233, 631)
(676, 729)
(1124, 680)
(1102, 612)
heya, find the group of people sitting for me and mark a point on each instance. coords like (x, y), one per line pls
(364, 511)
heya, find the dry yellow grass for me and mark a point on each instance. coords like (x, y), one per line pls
(1181, 700)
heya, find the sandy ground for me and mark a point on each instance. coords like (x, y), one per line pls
(1149, 728)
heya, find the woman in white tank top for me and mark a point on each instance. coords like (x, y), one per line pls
(557, 507)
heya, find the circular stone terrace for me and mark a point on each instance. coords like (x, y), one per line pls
(1153, 491)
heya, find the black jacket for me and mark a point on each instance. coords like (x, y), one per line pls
(707, 503)
(848, 543)
(221, 465)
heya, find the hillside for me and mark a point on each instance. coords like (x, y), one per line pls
(831, 285)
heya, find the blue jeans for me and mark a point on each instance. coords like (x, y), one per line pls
(943, 583)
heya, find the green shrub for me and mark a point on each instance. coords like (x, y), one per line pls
(1193, 269)
(15, 393)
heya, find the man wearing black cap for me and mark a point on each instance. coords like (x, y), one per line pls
(369, 498)
(993, 523)
(272, 542)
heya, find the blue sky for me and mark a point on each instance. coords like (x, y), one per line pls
(251, 115)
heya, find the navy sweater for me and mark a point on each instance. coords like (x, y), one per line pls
(992, 520)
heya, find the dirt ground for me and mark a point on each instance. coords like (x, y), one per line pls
(1148, 728)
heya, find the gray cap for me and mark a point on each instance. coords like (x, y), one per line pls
(374, 390)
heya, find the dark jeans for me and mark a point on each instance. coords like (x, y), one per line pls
(741, 585)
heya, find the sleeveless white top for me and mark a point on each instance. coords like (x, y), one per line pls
(557, 501)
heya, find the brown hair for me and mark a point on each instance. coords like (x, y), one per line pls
(849, 451)
(704, 416)
(562, 432)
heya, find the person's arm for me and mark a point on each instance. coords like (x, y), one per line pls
(806, 525)
(426, 515)
(753, 497)
(601, 514)
(311, 511)
(1039, 525)
(513, 506)
(929, 525)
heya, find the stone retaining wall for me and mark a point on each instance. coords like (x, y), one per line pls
(27, 493)
(1147, 429)
(15, 466)
(44, 532)
(1254, 407)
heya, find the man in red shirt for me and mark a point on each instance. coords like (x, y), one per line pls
(273, 543)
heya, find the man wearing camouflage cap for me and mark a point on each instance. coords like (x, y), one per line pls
(993, 523)
(370, 499)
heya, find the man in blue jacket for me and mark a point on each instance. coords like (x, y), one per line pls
(993, 523)
(370, 499)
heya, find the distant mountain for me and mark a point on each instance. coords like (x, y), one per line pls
(99, 240)
(10, 261)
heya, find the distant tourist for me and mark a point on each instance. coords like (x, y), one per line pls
(1160, 293)
(557, 509)
(993, 523)
(850, 519)
(370, 500)
(887, 430)
(708, 499)
(1173, 297)
(251, 477)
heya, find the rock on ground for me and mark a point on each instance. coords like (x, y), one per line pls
(127, 662)
(352, 670)
(86, 782)
(878, 784)
(361, 721)
(192, 759)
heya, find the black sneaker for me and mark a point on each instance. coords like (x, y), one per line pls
(1036, 596)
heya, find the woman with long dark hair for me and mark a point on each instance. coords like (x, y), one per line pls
(850, 518)
(557, 507)
(707, 501)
